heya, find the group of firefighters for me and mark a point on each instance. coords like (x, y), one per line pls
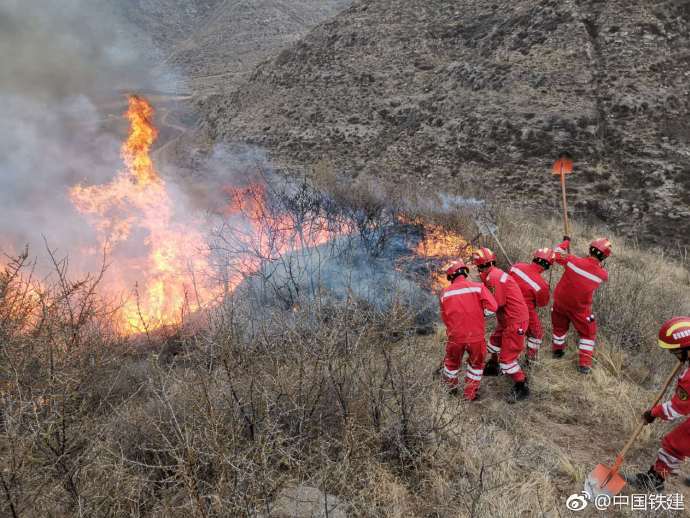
(513, 297)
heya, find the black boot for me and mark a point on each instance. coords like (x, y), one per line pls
(519, 392)
(650, 481)
(558, 353)
(491, 368)
(583, 370)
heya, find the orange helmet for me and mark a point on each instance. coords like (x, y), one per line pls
(456, 268)
(545, 254)
(601, 248)
(675, 333)
(483, 256)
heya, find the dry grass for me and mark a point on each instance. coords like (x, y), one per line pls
(336, 395)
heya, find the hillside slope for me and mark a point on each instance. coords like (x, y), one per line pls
(249, 416)
(466, 93)
(214, 44)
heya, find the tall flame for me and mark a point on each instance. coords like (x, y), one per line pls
(171, 275)
(142, 134)
(136, 207)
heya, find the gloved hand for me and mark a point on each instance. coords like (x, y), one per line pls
(566, 238)
(648, 417)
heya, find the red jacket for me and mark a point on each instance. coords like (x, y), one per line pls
(581, 278)
(511, 304)
(462, 309)
(679, 405)
(534, 288)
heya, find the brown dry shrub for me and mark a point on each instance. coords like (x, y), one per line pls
(335, 395)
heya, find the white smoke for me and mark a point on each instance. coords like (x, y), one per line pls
(64, 65)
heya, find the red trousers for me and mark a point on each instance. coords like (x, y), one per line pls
(585, 326)
(675, 447)
(475, 365)
(535, 333)
(506, 345)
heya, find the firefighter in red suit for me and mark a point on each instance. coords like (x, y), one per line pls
(507, 343)
(674, 336)
(463, 304)
(572, 299)
(536, 293)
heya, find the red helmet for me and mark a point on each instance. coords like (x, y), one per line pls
(545, 254)
(455, 268)
(675, 333)
(483, 256)
(603, 245)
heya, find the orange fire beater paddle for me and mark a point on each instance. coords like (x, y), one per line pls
(563, 166)
(606, 481)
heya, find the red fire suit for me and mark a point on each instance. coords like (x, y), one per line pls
(507, 342)
(572, 301)
(675, 446)
(536, 293)
(462, 310)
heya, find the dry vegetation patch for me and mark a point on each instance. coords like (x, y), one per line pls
(329, 396)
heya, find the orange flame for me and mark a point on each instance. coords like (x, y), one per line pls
(137, 202)
(272, 234)
(136, 208)
(135, 151)
(439, 244)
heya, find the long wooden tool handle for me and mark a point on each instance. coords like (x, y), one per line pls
(656, 402)
(501, 247)
(566, 225)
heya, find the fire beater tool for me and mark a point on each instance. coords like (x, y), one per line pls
(561, 167)
(607, 481)
(487, 227)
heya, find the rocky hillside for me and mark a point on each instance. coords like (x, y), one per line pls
(214, 44)
(472, 95)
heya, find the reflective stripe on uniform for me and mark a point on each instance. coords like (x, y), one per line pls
(668, 459)
(587, 341)
(533, 343)
(586, 347)
(559, 340)
(472, 376)
(510, 368)
(585, 273)
(670, 412)
(503, 278)
(525, 278)
(493, 349)
(450, 374)
(461, 291)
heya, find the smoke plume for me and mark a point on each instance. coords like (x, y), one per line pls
(64, 67)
